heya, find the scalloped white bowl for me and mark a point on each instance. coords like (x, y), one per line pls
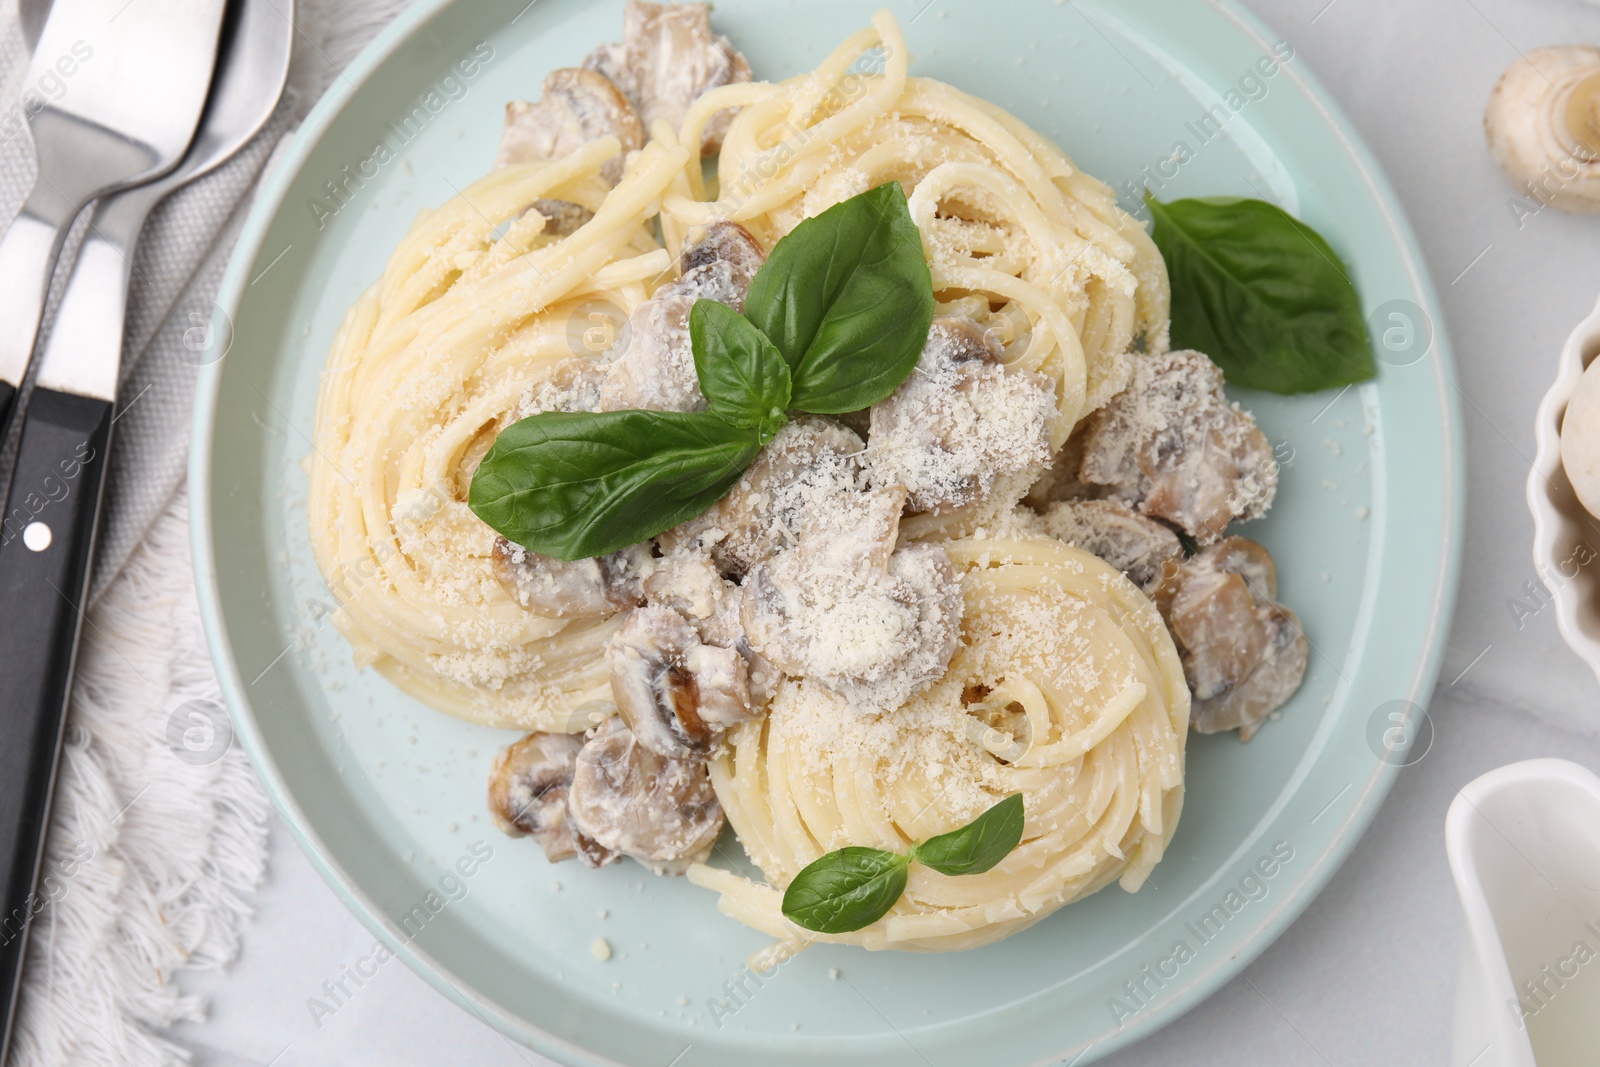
(1566, 538)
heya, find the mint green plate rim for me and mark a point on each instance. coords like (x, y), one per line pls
(1436, 590)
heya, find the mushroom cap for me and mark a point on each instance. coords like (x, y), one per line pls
(1541, 124)
(1580, 439)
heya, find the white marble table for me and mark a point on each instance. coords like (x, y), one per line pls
(1367, 975)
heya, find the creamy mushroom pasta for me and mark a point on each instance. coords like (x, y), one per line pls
(1009, 573)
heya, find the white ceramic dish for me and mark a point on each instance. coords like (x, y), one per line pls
(1524, 848)
(1566, 538)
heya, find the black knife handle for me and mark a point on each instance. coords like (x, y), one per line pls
(8, 395)
(46, 544)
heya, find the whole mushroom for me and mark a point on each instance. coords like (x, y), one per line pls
(1543, 125)
(1580, 439)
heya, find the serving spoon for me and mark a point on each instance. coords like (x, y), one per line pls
(64, 440)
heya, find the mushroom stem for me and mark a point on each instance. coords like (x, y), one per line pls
(1582, 115)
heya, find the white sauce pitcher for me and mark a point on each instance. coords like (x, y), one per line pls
(1524, 848)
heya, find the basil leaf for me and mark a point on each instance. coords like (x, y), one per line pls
(742, 375)
(977, 846)
(1262, 294)
(846, 890)
(578, 484)
(835, 321)
(854, 887)
(847, 298)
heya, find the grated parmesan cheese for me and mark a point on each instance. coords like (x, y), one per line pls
(960, 421)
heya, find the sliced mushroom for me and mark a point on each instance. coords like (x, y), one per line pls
(1275, 679)
(1214, 616)
(1061, 480)
(808, 473)
(528, 789)
(674, 691)
(574, 385)
(856, 533)
(1243, 654)
(652, 364)
(876, 633)
(719, 263)
(1139, 547)
(957, 339)
(1543, 125)
(1172, 446)
(1249, 560)
(666, 59)
(687, 582)
(631, 800)
(562, 218)
(578, 106)
(572, 589)
(960, 421)
(722, 684)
